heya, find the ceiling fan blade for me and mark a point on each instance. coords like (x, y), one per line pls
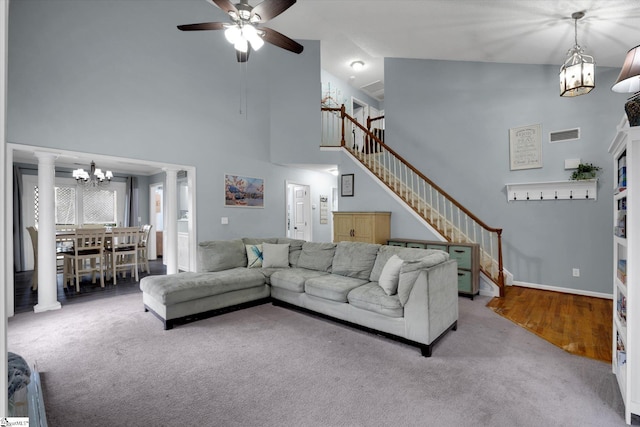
(243, 56)
(226, 6)
(269, 9)
(202, 26)
(280, 40)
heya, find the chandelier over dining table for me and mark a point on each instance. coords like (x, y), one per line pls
(94, 178)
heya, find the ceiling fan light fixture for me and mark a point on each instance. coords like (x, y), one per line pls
(578, 73)
(232, 34)
(241, 45)
(250, 33)
(357, 65)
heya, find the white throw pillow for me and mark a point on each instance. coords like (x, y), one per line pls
(275, 256)
(254, 256)
(390, 275)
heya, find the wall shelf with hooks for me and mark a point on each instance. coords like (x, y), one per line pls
(553, 190)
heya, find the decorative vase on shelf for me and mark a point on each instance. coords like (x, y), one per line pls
(632, 108)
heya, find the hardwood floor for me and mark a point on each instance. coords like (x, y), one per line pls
(578, 324)
(26, 299)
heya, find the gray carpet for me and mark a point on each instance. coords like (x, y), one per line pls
(107, 363)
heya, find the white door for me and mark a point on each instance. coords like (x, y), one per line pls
(360, 112)
(299, 212)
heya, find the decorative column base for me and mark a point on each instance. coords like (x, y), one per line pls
(40, 308)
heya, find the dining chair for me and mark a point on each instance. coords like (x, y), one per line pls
(122, 252)
(143, 252)
(87, 255)
(33, 233)
(64, 243)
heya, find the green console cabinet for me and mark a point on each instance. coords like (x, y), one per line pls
(466, 254)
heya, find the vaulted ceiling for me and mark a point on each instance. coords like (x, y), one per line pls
(508, 31)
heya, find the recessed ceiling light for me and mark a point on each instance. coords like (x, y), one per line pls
(357, 65)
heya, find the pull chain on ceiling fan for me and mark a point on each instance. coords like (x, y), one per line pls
(244, 31)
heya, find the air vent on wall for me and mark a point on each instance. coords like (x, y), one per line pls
(564, 135)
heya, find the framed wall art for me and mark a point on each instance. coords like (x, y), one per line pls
(525, 147)
(243, 191)
(346, 185)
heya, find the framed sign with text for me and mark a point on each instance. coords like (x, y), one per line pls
(525, 147)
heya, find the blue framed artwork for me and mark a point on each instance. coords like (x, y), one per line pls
(243, 191)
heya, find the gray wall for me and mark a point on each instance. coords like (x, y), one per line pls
(118, 78)
(452, 119)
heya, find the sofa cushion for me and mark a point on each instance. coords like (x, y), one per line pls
(259, 240)
(410, 270)
(218, 255)
(254, 256)
(354, 259)
(390, 275)
(372, 297)
(180, 287)
(386, 252)
(317, 256)
(275, 256)
(293, 279)
(332, 286)
(295, 248)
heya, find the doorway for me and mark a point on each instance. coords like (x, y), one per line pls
(156, 219)
(298, 208)
(360, 112)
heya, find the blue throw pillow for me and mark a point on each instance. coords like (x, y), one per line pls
(254, 256)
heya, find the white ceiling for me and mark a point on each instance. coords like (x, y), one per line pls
(508, 31)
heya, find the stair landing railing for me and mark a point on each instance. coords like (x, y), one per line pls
(455, 222)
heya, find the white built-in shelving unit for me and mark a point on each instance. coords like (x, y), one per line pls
(625, 149)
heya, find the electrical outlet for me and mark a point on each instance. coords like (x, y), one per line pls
(576, 272)
(224, 220)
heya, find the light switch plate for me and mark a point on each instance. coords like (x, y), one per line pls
(224, 220)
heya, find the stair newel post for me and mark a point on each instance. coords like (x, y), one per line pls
(343, 114)
(500, 268)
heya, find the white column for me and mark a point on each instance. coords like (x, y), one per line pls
(6, 224)
(47, 283)
(171, 220)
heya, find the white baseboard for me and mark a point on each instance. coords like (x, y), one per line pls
(563, 290)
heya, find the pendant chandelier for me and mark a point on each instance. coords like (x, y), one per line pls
(577, 74)
(94, 178)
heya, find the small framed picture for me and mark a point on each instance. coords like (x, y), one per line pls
(346, 185)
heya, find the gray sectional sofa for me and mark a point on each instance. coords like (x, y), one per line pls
(407, 294)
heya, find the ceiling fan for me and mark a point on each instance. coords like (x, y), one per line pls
(243, 32)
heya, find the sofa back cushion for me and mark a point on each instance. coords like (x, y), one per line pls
(218, 255)
(259, 240)
(295, 249)
(317, 256)
(354, 259)
(410, 270)
(385, 252)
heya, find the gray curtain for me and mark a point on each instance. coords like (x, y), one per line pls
(131, 208)
(18, 225)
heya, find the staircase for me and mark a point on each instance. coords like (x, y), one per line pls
(432, 204)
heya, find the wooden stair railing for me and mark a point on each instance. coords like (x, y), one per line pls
(428, 200)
